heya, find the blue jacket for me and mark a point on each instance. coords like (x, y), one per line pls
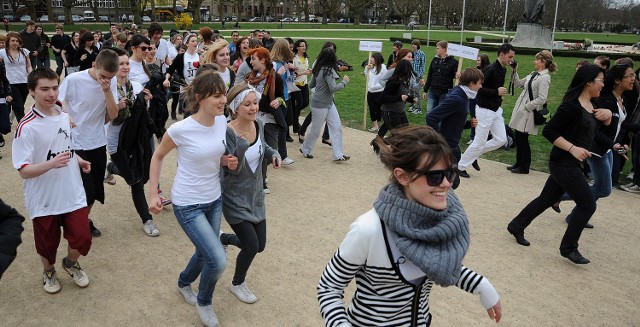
(449, 118)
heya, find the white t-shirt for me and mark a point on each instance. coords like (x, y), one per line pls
(87, 106)
(254, 154)
(162, 51)
(226, 77)
(16, 69)
(40, 138)
(113, 132)
(199, 150)
(189, 71)
(137, 72)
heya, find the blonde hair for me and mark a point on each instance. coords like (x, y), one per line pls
(280, 51)
(546, 57)
(210, 55)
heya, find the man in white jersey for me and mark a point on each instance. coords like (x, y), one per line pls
(53, 191)
(162, 46)
(90, 97)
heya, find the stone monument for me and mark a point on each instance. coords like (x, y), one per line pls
(532, 34)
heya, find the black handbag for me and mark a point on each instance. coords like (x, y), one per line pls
(538, 114)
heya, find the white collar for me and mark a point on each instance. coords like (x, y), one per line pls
(471, 94)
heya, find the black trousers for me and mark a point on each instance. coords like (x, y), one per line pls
(253, 239)
(565, 177)
(300, 100)
(374, 106)
(93, 182)
(20, 93)
(120, 167)
(523, 151)
(392, 120)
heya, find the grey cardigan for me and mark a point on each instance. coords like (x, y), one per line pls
(325, 86)
(242, 195)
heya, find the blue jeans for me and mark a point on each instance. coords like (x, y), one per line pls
(601, 172)
(434, 99)
(201, 223)
(60, 65)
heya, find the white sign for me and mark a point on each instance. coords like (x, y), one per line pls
(406, 36)
(371, 46)
(462, 51)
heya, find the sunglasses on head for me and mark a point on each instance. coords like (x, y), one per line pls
(435, 177)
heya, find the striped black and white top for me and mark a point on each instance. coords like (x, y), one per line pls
(383, 296)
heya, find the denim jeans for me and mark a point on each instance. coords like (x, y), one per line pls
(601, 172)
(434, 99)
(201, 223)
(59, 65)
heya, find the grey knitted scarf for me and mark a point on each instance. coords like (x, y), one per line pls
(435, 241)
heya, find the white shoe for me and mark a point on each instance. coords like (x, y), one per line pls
(630, 175)
(243, 293)
(287, 161)
(150, 228)
(207, 316)
(469, 142)
(633, 188)
(266, 190)
(79, 276)
(50, 282)
(188, 294)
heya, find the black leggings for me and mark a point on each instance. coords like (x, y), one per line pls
(175, 98)
(20, 93)
(374, 106)
(137, 186)
(523, 151)
(300, 101)
(392, 120)
(253, 239)
(565, 177)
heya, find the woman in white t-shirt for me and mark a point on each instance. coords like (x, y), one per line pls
(184, 66)
(200, 142)
(138, 47)
(218, 53)
(18, 65)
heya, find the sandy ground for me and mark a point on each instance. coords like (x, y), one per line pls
(133, 277)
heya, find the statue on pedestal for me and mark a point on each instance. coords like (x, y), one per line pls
(533, 10)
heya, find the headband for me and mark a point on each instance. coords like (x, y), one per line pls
(240, 98)
(186, 38)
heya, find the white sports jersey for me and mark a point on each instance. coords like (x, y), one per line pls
(40, 138)
(87, 106)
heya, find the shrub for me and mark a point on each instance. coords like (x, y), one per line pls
(183, 21)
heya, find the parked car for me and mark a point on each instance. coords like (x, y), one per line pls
(286, 19)
(88, 16)
(146, 19)
(77, 18)
(269, 19)
(44, 18)
(343, 20)
(255, 19)
(60, 18)
(10, 17)
(104, 19)
(25, 18)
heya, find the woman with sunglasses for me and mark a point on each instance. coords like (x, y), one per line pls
(139, 47)
(416, 235)
(571, 130)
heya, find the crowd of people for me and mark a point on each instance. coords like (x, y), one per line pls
(240, 102)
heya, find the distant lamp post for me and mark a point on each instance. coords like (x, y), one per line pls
(281, 13)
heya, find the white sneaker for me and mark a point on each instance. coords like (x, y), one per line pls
(79, 276)
(630, 175)
(287, 161)
(243, 293)
(188, 294)
(50, 282)
(207, 316)
(266, 190)
(633, 188)
(469, 142)
(150, 228)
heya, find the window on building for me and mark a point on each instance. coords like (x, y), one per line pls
(56, 3)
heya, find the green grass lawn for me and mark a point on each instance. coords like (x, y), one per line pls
(350, 101)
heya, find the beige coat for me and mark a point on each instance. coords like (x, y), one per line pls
(522, 116)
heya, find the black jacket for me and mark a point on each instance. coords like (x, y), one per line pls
(606, 134)
(10, 231)
(494, 76)
(59, 42)
(134, 141)
(5, 88)
(30, 41)
(391, 96)
(441, 73)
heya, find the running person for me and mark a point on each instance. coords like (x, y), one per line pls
(54, 197)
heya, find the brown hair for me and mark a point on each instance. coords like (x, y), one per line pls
(207, 84)
(407, 146)
(471, 75)
(41, 73)
(206, 33)
(546, 57)
(625, 61)
(442, 44)
(280, 51)
(6, 44)
(400, 55)
(416, 42)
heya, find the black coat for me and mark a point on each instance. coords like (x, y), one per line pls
(10, 231)
(134, 143)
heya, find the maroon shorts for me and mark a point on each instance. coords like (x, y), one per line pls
(46, 233)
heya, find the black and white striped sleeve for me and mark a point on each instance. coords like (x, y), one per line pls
(350, 257)
(472, 282)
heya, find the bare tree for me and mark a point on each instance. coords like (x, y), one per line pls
(357, 7)
(329, 9)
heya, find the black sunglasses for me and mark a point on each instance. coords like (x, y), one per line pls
(144, 48)
(435, 177)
